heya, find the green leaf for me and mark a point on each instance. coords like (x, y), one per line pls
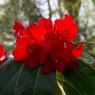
(16, 79)
(59, 76)
(80, 82)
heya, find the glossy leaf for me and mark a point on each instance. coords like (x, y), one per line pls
(80, 82)
(16, 79)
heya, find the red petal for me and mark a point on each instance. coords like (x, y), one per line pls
(39, 53)
(23, 42)
(68, 19)
(58, 25)
(3, 54)
(19, 30)
(1, 50)
(36, 32)
(66, 26)
(69, 26)
(61, 65)
(77, 52)
(30, 63)
(45, 23)
(71, 30)
(32, 27)
(21, 52)
(48, 67)
(39, 34)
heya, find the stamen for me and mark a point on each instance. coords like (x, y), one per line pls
(65, 46)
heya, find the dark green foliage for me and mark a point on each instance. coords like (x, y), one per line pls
(80, 82)
(16, 79)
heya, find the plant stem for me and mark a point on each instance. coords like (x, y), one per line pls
(61, 87)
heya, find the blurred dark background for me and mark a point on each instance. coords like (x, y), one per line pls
(25, 11)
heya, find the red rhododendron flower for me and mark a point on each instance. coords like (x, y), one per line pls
(67, 26)
(3, 55)
(48, 45)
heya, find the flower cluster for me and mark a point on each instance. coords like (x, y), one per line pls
(3, 55)
(48, 45)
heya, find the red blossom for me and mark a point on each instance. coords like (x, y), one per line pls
(3, 54)
(67, 26)
(48, 45)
